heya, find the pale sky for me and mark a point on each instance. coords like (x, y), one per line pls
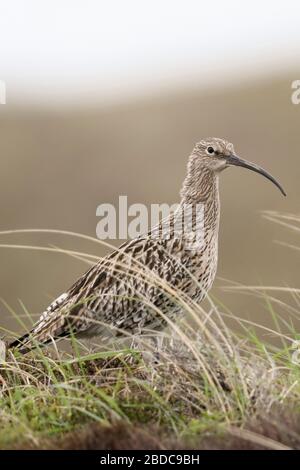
(55, 50)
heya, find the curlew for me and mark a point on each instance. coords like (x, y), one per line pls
(129, 291)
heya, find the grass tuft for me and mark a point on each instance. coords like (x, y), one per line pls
(206, 386)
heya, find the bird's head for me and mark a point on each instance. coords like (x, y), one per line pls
(217, 154)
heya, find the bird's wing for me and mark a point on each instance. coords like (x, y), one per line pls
(66, 314)
(63, 316)
(57, 320)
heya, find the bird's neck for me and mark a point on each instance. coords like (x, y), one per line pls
(201, 189)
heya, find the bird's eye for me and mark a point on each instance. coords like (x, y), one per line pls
(210, 150)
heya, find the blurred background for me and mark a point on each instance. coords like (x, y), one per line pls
(108, 98)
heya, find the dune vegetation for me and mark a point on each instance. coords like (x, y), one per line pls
(203, 384)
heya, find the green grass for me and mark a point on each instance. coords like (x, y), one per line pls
(46, 394)
(206, 379)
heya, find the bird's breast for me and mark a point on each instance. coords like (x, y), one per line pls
(201, 259)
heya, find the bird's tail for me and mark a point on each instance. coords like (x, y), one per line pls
(21, 344)
(30, 341)
(50, 325)
(27, 343)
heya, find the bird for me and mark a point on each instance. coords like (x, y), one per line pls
(130, 290)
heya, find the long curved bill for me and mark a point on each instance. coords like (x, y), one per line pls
(237, 161)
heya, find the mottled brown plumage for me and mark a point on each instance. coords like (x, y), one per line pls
(133, 288)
